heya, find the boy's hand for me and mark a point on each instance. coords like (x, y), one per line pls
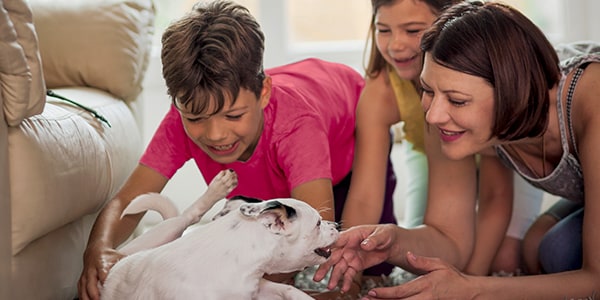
(97, 261)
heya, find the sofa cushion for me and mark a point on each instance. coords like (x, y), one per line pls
(102, 43)
(21, 82)
(65, 154)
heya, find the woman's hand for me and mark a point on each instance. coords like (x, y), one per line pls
(97, 261)
(356, 249)
(440, 281)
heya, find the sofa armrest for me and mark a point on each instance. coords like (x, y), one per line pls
(100, 44)
(21, 81)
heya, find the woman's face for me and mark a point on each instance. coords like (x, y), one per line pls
(398, 31)
(460, 107)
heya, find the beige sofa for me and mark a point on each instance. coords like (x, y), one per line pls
(58, 163)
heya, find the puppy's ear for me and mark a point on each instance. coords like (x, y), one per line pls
(234, 203)
(272, 214)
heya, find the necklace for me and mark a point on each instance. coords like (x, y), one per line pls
(526, 163)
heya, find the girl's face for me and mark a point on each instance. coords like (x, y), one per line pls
(460, 107)
(398, 31)
(231, 134)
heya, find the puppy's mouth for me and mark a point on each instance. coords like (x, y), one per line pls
(323, 252)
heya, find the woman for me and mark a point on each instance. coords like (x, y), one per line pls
(493, 86)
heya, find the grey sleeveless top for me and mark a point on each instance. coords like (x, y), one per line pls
(566, 180)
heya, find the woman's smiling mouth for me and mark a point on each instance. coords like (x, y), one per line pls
(450, 136)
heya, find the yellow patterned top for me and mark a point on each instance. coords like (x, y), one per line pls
(411, 112)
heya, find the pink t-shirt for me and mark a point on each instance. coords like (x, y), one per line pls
(308, 133)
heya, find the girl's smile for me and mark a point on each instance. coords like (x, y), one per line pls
(403, 63)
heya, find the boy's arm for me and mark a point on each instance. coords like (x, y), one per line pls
(493, 213)
(109, 230)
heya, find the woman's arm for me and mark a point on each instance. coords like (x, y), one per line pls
(493, 213)
(376, 112)
(582, 283)
(448, 230)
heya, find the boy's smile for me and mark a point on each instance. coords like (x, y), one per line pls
(232, 133)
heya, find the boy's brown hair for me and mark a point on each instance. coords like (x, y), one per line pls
(499, 44)
(210, 53)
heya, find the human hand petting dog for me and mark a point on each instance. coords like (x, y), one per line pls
(356, 249)
(100, 258)
(364, 246)
(97, 263)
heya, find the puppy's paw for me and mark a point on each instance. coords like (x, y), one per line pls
(222, 185)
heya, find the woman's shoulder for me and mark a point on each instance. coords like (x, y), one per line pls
(587, 93)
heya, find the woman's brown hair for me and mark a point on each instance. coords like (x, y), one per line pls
(498, 43)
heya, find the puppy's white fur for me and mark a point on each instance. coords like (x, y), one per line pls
(226, 258)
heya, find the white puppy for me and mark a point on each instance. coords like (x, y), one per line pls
(226, 258)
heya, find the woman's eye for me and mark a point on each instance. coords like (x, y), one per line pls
(456, 102)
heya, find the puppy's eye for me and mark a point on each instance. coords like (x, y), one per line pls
(319, 223)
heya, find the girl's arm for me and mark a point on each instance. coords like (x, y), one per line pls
(493, 213)
(318, 194)
(376, 112)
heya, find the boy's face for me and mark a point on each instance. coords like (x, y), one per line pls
(231, 134)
